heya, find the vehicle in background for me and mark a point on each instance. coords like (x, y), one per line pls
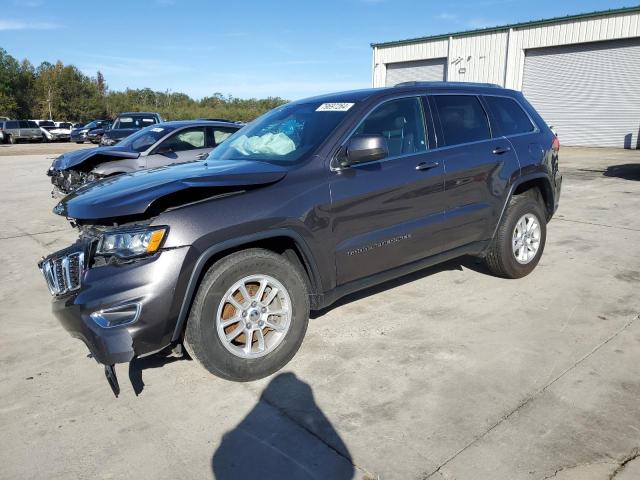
(51, 132)
(95, 135)
(15, 131)
(127, 123)
(312, 201)
(79, 135)
(154, 146)
(62, 131)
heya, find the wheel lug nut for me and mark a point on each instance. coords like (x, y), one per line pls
(263, 309)
(244, 313)
(248, 324)
(253, 304)
(260, 323)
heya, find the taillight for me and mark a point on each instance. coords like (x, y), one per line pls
(555, 145)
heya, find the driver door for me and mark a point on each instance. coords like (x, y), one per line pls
(186, 145)
(389, 212)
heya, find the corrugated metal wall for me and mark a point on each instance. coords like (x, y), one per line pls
(499, 57)
(432, 70)
(589, 92)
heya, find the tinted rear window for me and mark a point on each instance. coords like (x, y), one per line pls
(510, 118)
(13, 124)
(462, 118)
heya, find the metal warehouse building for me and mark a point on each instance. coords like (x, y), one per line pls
(581, 72)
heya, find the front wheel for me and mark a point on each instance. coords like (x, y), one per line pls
(249, 316)
(519, 242)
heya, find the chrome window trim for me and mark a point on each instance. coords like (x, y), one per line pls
(416, 95)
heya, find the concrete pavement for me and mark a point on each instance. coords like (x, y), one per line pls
(449, 373)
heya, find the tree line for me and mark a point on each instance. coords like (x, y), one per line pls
(63, 93)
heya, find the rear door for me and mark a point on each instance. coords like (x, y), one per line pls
(478, 166)
(185, 145)
(386, 213)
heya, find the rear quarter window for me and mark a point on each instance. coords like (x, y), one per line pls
(510, 117)
(462, 118)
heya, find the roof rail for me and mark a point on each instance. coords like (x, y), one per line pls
(415, 83)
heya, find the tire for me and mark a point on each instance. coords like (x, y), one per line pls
(501, 255)
(203, 333)
(79, 143)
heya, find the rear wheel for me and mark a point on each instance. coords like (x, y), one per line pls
(519, 242)
(249, 316)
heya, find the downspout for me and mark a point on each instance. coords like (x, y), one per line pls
(446, 74)
(506, 59)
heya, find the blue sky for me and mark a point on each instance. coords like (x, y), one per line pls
(245, 48)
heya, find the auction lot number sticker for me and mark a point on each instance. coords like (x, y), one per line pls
(334, 107)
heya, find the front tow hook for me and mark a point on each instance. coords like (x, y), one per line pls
(110, 373)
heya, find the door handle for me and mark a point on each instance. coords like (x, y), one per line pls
(501, 150)
(426, 165)
(202, 156)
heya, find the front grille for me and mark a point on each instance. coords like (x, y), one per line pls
(63, 274)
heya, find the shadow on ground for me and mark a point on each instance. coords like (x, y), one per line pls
(137, 365)
(471, 263)
(285, 435)
(628, 171)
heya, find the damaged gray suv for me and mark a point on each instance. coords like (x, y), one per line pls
(314, 200)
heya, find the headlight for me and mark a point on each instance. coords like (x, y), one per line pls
(107, 141)
(84, 131)
(133, 243)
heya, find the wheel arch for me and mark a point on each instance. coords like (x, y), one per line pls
(539, 181)
(283, 241)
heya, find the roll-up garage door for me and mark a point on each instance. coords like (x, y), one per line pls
(422, 70)
(589, 93)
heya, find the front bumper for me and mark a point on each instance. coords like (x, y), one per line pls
(78, 137)
(149, 284)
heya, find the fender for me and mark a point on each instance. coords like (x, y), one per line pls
(202, 260)
(514, 185)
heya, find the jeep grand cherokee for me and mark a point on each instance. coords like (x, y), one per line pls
(314, 200)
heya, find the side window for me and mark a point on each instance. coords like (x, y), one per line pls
(401, 122)
(509, 116)
(25, 124)
(187, 139)
(12, 124)
(462, 118)
(220, 134)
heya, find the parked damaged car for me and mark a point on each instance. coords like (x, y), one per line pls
(127, 123)
(153, 146)
(310, 202)
(80, 133)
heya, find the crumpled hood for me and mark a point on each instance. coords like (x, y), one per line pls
(133, 193)
(75, 158)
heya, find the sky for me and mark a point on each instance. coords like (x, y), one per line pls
(245, 48)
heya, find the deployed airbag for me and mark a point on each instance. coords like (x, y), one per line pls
(267, 144)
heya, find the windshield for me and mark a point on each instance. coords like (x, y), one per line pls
(285, 134)
(134, 121)
(91, 125)
(145, 138)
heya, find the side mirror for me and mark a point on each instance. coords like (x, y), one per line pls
(364, 148)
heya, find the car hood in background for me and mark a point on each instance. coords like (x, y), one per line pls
(134, 193)
(77, 157)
